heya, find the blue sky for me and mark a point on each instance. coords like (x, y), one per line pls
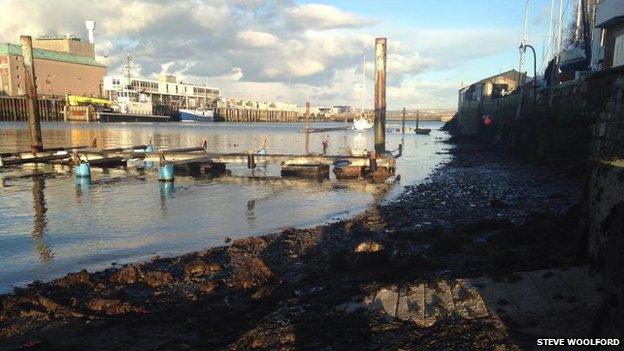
(250, 48)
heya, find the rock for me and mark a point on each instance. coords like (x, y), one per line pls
(498, 203)
(111, 307)
(80, 278)
(48, 304)
(199, 267)
(206, 287)
(261, 293)
(157, 279)
(127, 275)
(369, 246)
(252, 272)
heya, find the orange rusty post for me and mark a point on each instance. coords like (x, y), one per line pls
(380, 96)
(34, 124)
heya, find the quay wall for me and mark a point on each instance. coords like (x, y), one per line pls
(13, 109)
(576, 127)
(250, 115)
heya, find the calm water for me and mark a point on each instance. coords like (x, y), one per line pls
(51, 224)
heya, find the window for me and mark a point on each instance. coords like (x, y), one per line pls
(618, 51)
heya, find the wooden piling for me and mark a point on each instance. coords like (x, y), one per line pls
(380, 96)
(403, 122)
(36, 141)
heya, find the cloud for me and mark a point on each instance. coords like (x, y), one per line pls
(321, 17)
(258, 39)
(252, 48)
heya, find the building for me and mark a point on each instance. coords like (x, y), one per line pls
(492, 87)
(164, 90)
(608, 46)
(63, 65)
(257, 105)
(69, 44)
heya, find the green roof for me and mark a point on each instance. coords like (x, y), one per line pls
(14, 49)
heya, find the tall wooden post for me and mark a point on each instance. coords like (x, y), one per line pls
(34, 125)
(307, 116)
(380, 96)
(403, 122)
(417, 120)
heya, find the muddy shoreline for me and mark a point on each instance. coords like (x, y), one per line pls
(482, 214)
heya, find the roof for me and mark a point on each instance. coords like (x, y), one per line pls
(58, 37)
(42, 54)
(511, 75)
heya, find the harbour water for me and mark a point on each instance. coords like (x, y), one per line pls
(52, 224)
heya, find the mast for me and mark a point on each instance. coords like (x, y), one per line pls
(524, 39)
(363, 81)
(560, 34)
(577, 32)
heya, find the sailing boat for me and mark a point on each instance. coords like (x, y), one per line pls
(362, 123)
(574, 58)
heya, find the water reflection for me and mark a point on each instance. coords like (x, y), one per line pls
(163, 218)
(167, 190)
(40, 219)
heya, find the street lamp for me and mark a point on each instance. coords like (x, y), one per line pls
(523, 48)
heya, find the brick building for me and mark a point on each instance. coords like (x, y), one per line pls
(63, 65)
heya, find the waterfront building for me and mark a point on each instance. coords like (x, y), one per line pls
(608, 46)
(63, 65)
(257, 105)
(164, 90)
(492, 87)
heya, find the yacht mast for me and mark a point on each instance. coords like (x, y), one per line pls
(560, 34)
(363, 81)
(525, 38)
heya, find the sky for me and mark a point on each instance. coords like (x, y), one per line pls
(297, 51)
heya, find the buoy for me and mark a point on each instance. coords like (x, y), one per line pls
(165, 172)
(83, 170)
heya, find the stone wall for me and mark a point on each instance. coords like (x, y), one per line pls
(577, 126)
(571, 124)
(603, 223)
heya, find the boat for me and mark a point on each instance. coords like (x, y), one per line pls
(418, 130)
(362, 123)
(187, 115)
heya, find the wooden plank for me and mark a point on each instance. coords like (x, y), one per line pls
(41, 159)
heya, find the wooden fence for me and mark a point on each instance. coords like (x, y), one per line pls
(14, 109)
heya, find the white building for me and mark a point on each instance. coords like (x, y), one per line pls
(164, 90)
(608, 45)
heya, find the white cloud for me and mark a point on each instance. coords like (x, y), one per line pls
(258, 39)
(319, 17)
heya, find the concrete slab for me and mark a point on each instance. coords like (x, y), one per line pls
(545, 302)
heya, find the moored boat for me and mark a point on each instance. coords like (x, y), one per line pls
(196, 115)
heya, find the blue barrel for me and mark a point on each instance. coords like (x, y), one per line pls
(149, 164)
(83, 170)
(165, 172)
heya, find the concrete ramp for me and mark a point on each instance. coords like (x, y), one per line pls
(544, 302)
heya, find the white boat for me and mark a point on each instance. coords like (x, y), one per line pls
(362, 124)
(196, 115)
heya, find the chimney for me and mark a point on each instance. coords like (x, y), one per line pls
(90, 27)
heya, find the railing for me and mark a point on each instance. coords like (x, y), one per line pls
(14, 109)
